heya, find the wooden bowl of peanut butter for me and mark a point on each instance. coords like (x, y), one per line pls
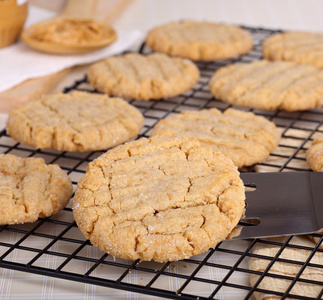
(68, 36)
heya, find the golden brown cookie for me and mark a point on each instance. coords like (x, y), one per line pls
(314, 155)
(162, 199)
(244, 137)
(200, 40)
(141, 77)
(269, 85)
(74, 122)
(30, 189)
(301, 47)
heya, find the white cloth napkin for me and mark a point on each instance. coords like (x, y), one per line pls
(19, 62)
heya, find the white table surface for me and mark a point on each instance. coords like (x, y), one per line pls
(274, 14)
(143, 15)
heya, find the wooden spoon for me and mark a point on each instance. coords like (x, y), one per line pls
(72, 32)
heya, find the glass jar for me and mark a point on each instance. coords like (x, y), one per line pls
(13, 14)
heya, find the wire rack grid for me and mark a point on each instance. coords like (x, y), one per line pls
(55, 247)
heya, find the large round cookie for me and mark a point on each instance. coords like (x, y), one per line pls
(144, 77)
(200, 40)
(74, 122)
(269, 85)
(161, 199)
(244, 137)
(30, 189)
(301, 47)
(314, 155)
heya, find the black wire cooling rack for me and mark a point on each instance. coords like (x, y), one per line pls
(55, 247)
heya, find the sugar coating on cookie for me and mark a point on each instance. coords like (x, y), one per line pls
(314, 155)
(161, 199)
(74, 122)
(31, 189)
(200, 40)
(143, 77)
(244, 137)
(301, 47)
(269, 85)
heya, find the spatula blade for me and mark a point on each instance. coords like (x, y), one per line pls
(288, 203)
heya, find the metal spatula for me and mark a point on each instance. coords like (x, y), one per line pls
(282, 204)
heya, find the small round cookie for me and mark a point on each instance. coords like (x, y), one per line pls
(244, 137)
(30, 189)
(162, 199)
(74, 122)
(301, 47)
(269, 85)
(143, 77)
(200, 40)
(314, 155)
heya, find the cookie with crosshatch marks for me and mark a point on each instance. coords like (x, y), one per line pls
(159, 198)
(314, 155)
(198, 40)
(74, 122)
(31, 189)
(143, 77)
(269, 85)
(244, 137)
(301, 47)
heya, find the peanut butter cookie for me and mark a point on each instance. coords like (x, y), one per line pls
(30, 189)
(143, 77)
(162, 199)
(244, 137)
(301, 47)
(314, 155)
(74, 122)
(269, 85)
(200, 40)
